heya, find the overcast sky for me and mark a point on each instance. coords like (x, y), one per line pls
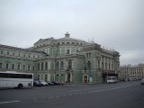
(115, 24)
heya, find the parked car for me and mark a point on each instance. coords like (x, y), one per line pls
(50, 83)
(37, 83)
(142, 82)
(44, 83)
(56, 83)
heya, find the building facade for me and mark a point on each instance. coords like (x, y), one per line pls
(66, 59)
(129, 72)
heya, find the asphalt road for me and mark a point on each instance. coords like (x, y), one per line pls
(119, 95)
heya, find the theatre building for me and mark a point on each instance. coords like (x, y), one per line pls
(65, 59)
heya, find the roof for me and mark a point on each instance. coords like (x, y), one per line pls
(21, 49)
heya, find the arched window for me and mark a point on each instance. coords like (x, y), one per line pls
(7, 66)
(89, 65)
(29, 67)
(12, 66)
(1, 65)
(38, 77)
(45, 77)
(18, 67)
(69, 64)
(46, 65)
(41, 66)
(62, 65)
(57, 65)
(23, 67)
(38, 66)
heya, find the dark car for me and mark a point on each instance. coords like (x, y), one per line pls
(37, 83)
(142, 82)
(56, 83)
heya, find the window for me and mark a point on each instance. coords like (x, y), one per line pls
(10, 75)
(62, 65)
(18, 67)
(41, 66)
(38, 66)
(13, 54)
(89, 65)
(7, 66)
(69, 64)
(1, 52)
(33, 56)
(12, 66)
(29, 68)
(46, 65)
(57, 65)
(33, 68)
(45, 77)
(68, 51)
(23, 67)
(7, 53)
(0, 65)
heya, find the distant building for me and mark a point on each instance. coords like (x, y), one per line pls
(65, 59)
(129, 72)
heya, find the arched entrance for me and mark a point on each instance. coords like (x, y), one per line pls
(85, 79)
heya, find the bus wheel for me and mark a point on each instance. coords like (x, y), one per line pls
(20, 86)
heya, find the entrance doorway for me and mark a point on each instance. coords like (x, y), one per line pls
(85, 79)
(68, 77)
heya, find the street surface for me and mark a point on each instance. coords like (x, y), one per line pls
(118, 95)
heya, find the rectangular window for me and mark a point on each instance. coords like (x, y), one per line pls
(12, 66)
(7, 53)
(0, 65)
(18, 67)
(10, 75)
(1, 52)
(7, 66)
(23, 67)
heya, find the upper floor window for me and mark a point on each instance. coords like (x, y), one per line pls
(68, 51)
(41, 66)
(18, 67)
(2, 52)
(38, 66)
(12, 66)
(7, 53)
(57, 65)
(29, 67)
(7, 66)
(89, 65)
(69, 64)
(62, 65)
(23, 67)
(46, 65)
(1, 65)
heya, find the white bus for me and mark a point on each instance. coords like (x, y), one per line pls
(111, 79)
(12, 79)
